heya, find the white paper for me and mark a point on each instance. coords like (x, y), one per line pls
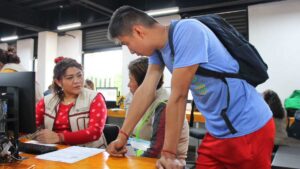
(139, 144)
(36, 142)
(71, 154)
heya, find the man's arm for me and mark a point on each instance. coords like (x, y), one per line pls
(142, 99)
(181, 80)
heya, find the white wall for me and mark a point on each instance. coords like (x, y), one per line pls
(128, 57)
(47, 51)
(274, 28)
(70, 45)
(25, 50)
(3, 46)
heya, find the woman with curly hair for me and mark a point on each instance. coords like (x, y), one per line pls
(10, 63)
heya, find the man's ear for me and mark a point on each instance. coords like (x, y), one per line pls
(139, 31)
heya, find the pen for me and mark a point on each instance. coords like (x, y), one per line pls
(32, 135)
(31, 167)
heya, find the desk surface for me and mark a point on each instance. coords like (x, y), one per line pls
(287, 158)
(120, 113)
(99, 161)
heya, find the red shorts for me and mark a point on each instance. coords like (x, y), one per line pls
(252, 151)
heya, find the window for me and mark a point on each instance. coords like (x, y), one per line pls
(104, 68)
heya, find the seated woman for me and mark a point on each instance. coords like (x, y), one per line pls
(89, 84)
(152, 124)
(280, 119)
(10, 62)
(71, 114)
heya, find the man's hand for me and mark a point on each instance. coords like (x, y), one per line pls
(169, 163)
(117, 148)
(47, 136)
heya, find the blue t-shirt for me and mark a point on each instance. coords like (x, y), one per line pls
(194, 44)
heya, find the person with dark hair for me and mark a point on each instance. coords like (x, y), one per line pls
(280, 119)
(152, 125)
(89, 84)
(71, 114)
(239, 118)
(10, 62)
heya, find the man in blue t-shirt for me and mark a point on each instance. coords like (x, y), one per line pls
(195, 44)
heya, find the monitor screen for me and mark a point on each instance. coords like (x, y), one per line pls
(25, 82)
(109, 93)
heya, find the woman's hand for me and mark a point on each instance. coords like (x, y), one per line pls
(47, 136)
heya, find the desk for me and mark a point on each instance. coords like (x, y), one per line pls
(99, 161)
(120, 113)
(286, 158)
(198, 117)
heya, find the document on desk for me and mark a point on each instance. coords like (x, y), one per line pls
(71, 154)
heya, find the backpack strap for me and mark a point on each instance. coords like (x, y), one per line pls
(210, 73)
(160, 57)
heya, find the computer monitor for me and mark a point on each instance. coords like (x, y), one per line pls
(25, 82)
(110, 94)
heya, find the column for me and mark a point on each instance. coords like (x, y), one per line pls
(47, 52)
(3, 46)
(25, 50)
(70, 45)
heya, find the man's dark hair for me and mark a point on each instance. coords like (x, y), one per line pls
(138, 69)
(124, 18)
(274, 103)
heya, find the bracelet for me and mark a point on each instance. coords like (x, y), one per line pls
(170, 152)
(125, 134)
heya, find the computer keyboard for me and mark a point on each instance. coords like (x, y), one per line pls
(35, 148)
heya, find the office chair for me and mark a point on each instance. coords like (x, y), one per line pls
(110, 132)
(197, 133)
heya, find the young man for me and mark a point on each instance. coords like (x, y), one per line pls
(195, 44)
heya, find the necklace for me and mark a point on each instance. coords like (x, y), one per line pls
(68, 101)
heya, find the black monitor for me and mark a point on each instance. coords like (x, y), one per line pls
(110, 94)
(25, 82)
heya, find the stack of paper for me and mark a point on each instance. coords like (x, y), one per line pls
(70, 154)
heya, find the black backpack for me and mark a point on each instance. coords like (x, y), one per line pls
(252, 68)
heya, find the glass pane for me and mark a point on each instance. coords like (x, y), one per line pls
(104, 68)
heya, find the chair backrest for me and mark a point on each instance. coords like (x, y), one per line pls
(191, 122)
(111, 132)
(197, 133)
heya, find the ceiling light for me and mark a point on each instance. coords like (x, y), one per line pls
(69, 26)
(164, 11)
(9, 38)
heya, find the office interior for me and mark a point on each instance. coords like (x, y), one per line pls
(272, 26)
